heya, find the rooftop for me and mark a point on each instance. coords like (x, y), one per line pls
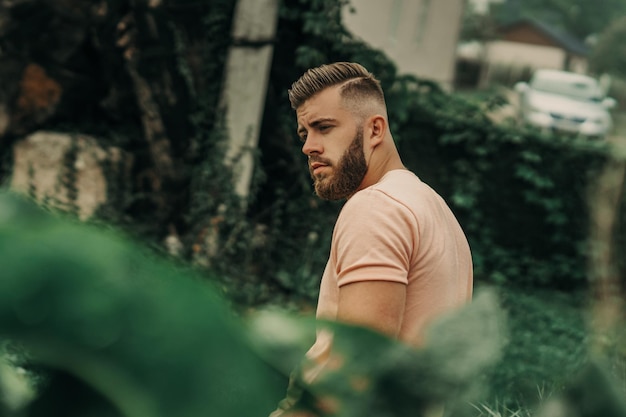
(562, 39)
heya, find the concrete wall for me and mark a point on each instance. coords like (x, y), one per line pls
(420, 36)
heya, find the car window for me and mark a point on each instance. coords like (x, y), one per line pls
(576, 89)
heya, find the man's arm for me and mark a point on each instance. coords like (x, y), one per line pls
(378, 305)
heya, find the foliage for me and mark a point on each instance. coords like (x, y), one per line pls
(477, 26)
(581, 18)
(113, 330)
(105, 327)
(609, 52)
(507, 188)
(133, 334)
(547, 346)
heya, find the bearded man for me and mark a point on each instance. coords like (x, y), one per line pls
(398, 257)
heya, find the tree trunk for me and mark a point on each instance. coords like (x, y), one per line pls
(608, 293)
(245, 85)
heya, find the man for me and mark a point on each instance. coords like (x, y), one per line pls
(398, 256)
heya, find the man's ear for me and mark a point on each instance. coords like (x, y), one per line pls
(377, 129)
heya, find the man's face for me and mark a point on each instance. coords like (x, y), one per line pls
(333, 141)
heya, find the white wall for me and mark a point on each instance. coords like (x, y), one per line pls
(420, 36)
(519, 54)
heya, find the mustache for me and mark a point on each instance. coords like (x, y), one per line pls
(315, 158)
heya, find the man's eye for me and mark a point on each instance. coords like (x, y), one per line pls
(302, 138)
(324, 128)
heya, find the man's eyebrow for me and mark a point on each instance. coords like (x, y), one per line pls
(321, 120)
(301, 129)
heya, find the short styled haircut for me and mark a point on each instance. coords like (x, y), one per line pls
(357, 83)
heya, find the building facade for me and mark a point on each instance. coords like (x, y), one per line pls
(419, 36)
(536, 45)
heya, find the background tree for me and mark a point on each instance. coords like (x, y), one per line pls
(609, 53)
(476, 25)
(580, 18)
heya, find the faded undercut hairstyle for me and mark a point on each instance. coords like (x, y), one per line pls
(358, 84)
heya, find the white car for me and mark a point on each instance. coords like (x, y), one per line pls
(565, 102)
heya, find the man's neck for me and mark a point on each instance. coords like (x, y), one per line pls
(380, 165)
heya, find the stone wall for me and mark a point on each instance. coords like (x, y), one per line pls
(72, 172)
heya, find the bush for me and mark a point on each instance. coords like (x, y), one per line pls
(522, 197)
(547, 346)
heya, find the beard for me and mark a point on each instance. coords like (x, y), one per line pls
(347, 174)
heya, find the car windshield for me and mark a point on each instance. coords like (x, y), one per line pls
(580, 89)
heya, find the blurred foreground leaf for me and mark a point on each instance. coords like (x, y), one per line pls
(144, 338)
(112, 330)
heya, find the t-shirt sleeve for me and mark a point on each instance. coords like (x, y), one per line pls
(374, 239)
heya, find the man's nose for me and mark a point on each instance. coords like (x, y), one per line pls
(312, 145)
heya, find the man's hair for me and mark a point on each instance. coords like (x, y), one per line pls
(357, 83)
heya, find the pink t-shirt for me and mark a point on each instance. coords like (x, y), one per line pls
(399, 230)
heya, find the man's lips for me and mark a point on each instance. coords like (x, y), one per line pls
(316, 167)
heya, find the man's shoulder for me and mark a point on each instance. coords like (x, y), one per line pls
(397, 190)
(398, 181)
(393, 191)
(401, 185)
